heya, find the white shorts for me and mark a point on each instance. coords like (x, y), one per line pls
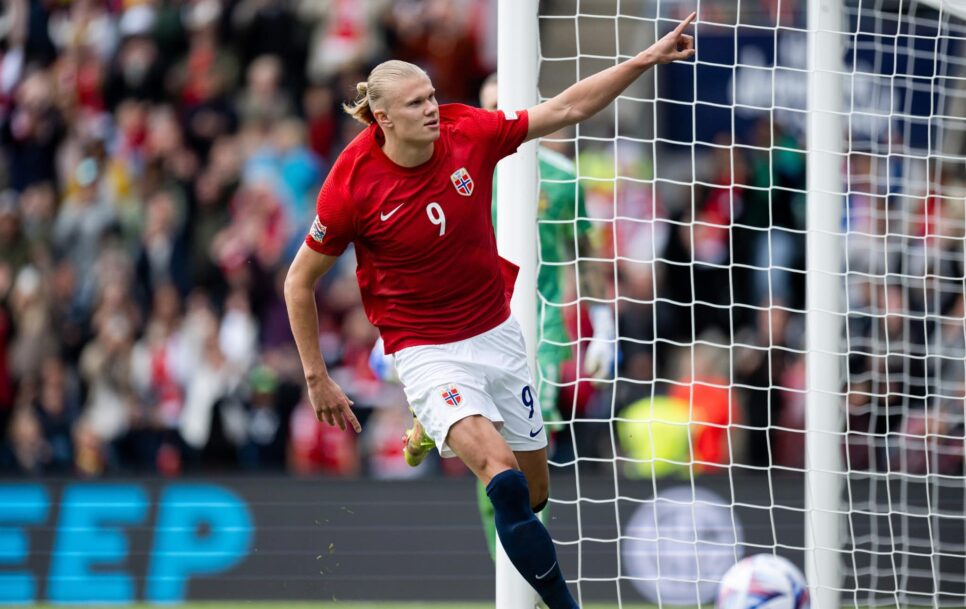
(485, 375)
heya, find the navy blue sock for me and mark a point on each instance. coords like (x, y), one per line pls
(526, 540)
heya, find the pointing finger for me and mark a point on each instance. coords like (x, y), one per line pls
(351, 418)
(680, 28)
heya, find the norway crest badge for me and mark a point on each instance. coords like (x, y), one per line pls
(451, 395)
(462, 181)
(318, 230)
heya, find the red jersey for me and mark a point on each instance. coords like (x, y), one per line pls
(428, 266)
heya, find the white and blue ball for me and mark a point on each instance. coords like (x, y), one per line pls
(763, 581)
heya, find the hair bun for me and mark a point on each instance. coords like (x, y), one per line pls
(362, 89)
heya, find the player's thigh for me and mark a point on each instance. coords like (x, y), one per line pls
(442, 389)
(477, 443)
(533, 464)
(510, 386)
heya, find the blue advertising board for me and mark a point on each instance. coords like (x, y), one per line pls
(280, 538)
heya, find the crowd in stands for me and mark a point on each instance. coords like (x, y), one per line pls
(160, 164)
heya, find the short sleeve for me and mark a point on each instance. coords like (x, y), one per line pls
(334, 226)
(502, 130)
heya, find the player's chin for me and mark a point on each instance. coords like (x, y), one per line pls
(430, 133)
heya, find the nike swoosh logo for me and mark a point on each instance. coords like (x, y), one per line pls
(385, 217)
(534, 434)
(548, 570)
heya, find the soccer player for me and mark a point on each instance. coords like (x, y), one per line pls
(561, 198)
(412, 192)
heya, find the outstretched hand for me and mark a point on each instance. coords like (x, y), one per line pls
(674, 46)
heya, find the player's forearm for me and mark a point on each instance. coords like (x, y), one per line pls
(589, 96)
(304, 319)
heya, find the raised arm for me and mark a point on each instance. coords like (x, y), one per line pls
(591, 95)
(329, 401)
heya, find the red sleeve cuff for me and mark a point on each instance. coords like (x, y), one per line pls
(322, 248)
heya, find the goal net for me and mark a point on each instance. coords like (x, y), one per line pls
(692, 215)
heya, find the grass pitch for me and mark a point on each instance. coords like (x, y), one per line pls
(331, 605)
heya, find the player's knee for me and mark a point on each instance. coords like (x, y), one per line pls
(493, 465)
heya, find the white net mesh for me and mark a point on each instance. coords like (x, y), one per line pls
(691, 230)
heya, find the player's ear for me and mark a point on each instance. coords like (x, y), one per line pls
(382, 119)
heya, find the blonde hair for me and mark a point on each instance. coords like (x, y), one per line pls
(374, 89)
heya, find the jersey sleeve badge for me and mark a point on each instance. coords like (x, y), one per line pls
(462, 181)
(318, 230)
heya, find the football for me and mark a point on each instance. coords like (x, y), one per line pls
(763, 581)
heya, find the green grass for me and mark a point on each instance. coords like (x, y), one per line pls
(329, 605)
(336, 605)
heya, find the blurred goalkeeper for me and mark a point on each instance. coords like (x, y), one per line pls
(413, 192)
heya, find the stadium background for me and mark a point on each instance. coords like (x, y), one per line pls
(160, 164)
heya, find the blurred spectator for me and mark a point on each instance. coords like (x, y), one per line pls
(344, 33)
(82, 222)
(162, 257)
(767, 239)
(272, 28)
(162, 359)
(136, 74)
(57, 406)
(211, 424)
(30, 306)
(284, 168)
(263, 100)
(238, 334)
(6, 333)
(38, 208)
(270, 405)
(760, 361)
(24, 450)
(14, 248)
(31, 133)
(713, 407)
(105, 365)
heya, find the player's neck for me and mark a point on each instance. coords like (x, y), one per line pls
(408, 155)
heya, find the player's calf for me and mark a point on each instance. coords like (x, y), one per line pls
(526, 540)
(533, 464)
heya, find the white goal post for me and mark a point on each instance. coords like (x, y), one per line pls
(516, 188)
(824, 303)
